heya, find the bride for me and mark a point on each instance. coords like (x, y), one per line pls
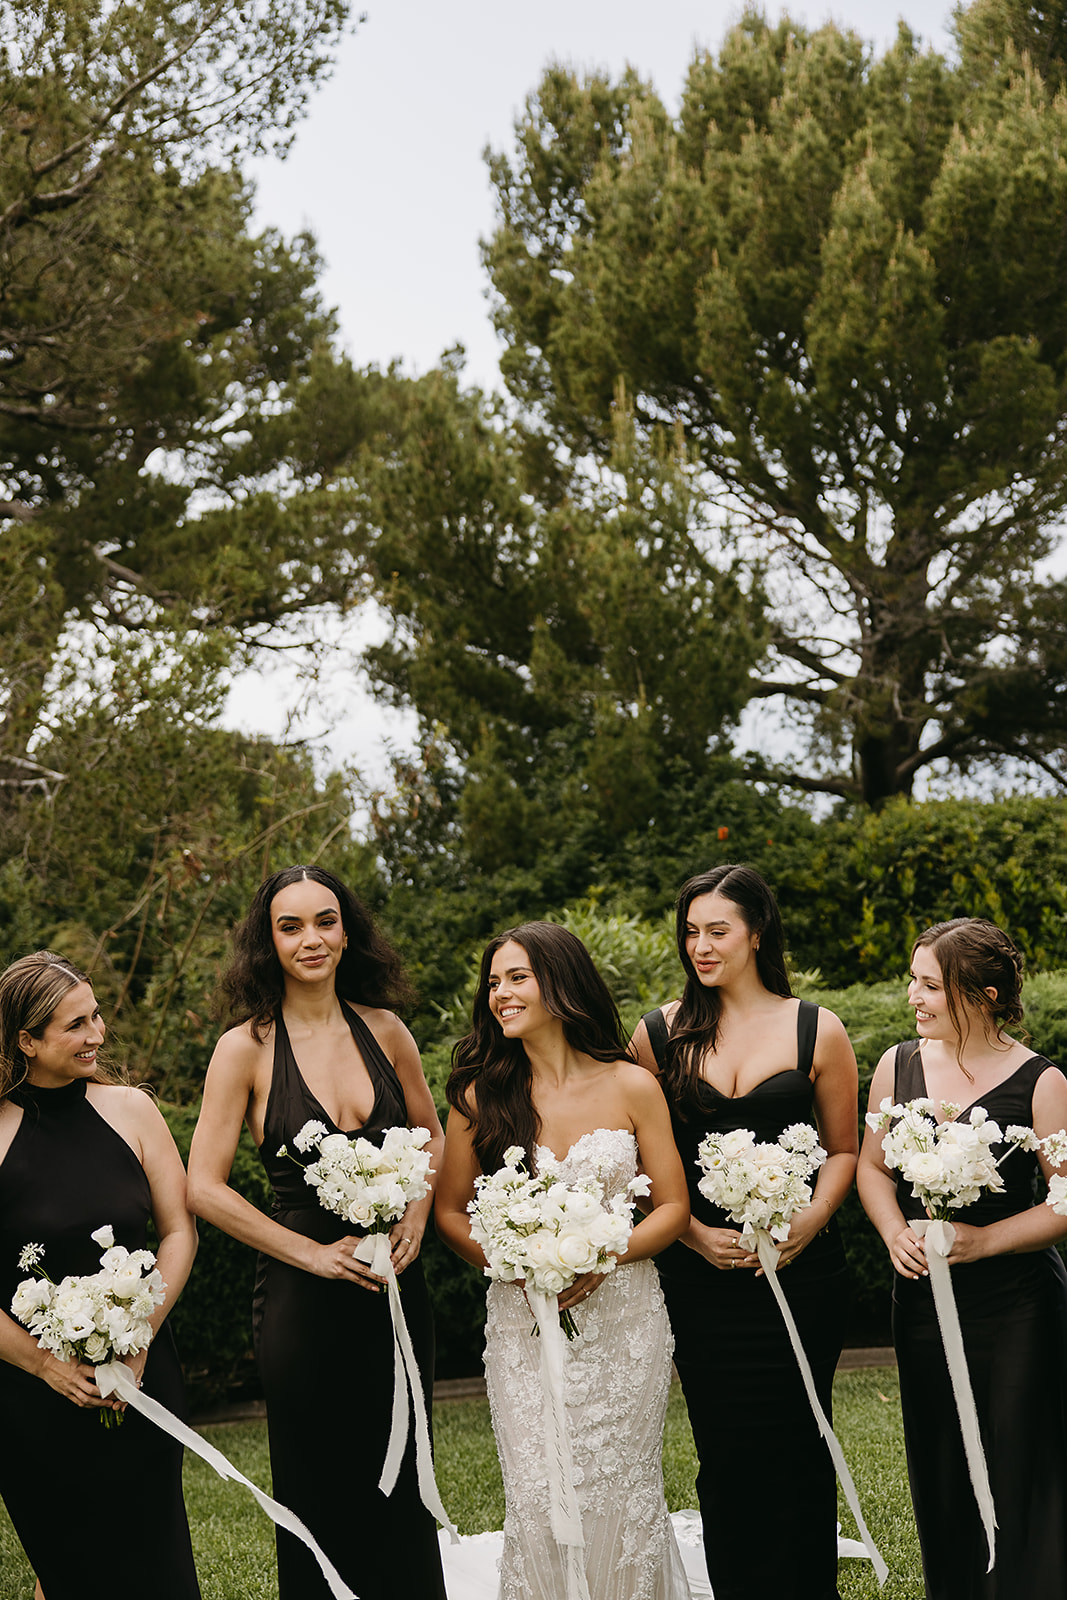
(544, 1067)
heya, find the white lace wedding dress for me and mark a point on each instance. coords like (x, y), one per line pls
(617, 1374)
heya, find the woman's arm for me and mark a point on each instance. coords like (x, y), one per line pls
(1039, 1226)
(73, 1380)
(836, 1096)
(455, 1187)
(878, 1187)
(173, 1220)
(227, 1091)
(660, 1162)
(406, 1235)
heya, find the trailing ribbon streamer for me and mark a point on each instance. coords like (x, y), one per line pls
(938, 1237)
(769, 1258)
(564, 1511)
(114, 1378)
(376, 1252)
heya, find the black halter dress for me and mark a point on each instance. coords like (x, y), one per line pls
(766, 1482)
(78, 1492)
(325, 1355)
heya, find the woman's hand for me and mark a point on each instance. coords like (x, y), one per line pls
(803, 1226)
(74, 1380)
(908, 1254)
(970, 1244)
(338, 1260)
(405, 1238)
(136, 1365)
(582, 1287)
(723, 1248)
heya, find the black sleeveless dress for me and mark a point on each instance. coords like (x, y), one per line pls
(74, 1489)
(766, 1482)
(325, 1355)
(1013, 1314)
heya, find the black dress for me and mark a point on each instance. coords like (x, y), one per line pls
(325, 1354)
(1013, 1314)
(766, 1481)
(74, 1489)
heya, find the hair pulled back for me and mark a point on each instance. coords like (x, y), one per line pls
(695, 1027)
(974, 956)
(252, 986)
(30, 991)
(499, 1069)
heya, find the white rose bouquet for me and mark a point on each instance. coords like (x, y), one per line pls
(760, 1185)
(369, 1185)
(948, 1164)
(548, 1232)
(98, 1316)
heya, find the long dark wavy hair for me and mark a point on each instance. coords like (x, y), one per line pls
(252, 986)
(975, 955)
(695, 1026)
(498, 1068)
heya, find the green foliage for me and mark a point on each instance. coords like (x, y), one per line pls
(834, 272)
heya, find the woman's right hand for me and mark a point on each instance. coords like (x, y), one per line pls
(722, 1247)
(908, 1254)
(338, 1260)
(74, 1380)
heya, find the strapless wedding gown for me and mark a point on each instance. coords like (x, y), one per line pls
(617, 1374)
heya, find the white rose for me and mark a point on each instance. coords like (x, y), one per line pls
(576, 1252)
(104, 1237)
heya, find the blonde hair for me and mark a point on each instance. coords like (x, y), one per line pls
(30, 991)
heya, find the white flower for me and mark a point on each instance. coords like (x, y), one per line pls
(104, 1237)
(309, 1134)
(1055, 1147)
(1056, 1197)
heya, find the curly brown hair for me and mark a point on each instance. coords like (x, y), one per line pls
(975, 956)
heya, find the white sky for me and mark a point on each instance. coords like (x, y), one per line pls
(388, 174)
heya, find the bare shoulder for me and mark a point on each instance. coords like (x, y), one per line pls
(134, 1104)
(386, 1027)
(639, 1086)
(238, 1050)
(830, 1028)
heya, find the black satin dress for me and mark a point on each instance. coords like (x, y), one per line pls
(1013, 1315)
(325, 1355)
(98, 1509)
(766, 1481)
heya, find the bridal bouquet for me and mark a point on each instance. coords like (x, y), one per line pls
(548, 1232)
(367, 1184)
(98, 1316)
(760, 1185)
(948, 1164)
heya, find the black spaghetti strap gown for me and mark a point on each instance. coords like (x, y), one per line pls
(761, 1457)
(1013, 1315)
(74, 1489)
(325, 1355)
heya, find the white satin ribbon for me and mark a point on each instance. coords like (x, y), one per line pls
(769, 1258)
(375, 1251)
(564, 1512)
(114, 1378)
(938, 1237)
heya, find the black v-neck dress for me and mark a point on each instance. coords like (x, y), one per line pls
(766, 1481)
(99, 1510)
(1013, 1316)
(325, 1354)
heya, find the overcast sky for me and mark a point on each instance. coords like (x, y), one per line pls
(388, 174)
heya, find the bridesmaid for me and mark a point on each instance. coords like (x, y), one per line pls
(309, 984)
(738, 1051)
(80, 1150)
(1010, 1285)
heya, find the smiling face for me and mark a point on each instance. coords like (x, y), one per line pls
(308, 934)
(514, 995)
(718, 941)
(67, 1048)
(934, 1007)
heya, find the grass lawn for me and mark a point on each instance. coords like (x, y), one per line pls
(234, 1541)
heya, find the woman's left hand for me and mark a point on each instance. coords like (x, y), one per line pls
(405, 1239)
(135, 1363)
(580, 1290)
(970, 1244)
(803, 1227)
